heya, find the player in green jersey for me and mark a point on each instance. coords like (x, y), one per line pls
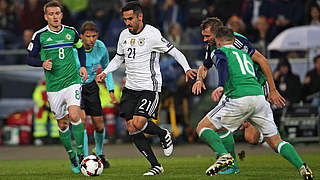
(244, 101)
(55, 44)
(252, 135)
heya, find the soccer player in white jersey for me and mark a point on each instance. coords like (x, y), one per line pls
(139, 47)
(244, 101)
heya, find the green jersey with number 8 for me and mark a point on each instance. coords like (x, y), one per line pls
(57, 46)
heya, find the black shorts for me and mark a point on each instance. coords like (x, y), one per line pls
(141, 103)
(90, 99)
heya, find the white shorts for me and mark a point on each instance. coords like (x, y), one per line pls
(61, 100)
(231, 113)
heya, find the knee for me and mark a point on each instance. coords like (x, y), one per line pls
(63, 125)
(99, 129)
(138, 123)
(202, 124)
(74, 117)
(252, 139)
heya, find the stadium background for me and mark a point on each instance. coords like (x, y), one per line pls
(178, 20)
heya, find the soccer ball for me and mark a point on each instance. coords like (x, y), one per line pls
(91, 166)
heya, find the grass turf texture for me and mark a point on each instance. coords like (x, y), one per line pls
(253, 167)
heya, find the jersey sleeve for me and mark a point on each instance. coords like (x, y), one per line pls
(34, 46)
(210, 59)
(119, 46)
(222, 67)
(33, 58)
(244, 44)
(77, 41)
(104, 63)
(159, 43)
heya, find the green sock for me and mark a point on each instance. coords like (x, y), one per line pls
(213, 140)
(228, 142)
(65, 138)
(77, 131)
(289, 153)
(98, 138)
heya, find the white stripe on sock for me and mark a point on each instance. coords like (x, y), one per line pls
(203, 129)
(280, 145)
(64, 130)
(225, 135)
(76, 123)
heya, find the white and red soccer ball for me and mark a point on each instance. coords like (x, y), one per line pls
(91, 166)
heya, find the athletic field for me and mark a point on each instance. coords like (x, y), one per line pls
(187, 162)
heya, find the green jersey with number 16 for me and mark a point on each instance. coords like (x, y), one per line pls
(57, 46)
(242, 80)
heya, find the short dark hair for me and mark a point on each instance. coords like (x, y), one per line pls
(52, 3)
(213, 22)
(88, 26)
(132, 5)
(224, 34)
(316, 58)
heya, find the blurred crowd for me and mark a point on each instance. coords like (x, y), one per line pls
(179, 20)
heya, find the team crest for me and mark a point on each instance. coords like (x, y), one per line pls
(132, 42)
(68, 36)
(141, 41)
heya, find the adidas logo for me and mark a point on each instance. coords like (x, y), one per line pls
(49, 39)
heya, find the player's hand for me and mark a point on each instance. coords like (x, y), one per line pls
(100, 77)
(83, 74)
(197, 86)
(113, 98)
(217, 93)
(276, 99)
(47, 65)
(191, 73)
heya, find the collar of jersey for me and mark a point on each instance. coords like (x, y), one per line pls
(89, 50)
(138, 32)
(56, 32)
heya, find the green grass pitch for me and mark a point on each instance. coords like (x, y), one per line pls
(268, 167)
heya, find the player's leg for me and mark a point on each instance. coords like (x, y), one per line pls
(58, 108)
(228, 142)
(263, 120)
(207, 132)
(143, 146)
(129, 105)
(73, 94)
(148, 105)
(286, 150)
(99, 135)
(85, 135)
(251, 134)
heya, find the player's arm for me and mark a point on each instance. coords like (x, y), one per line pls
(82, 56)
(202, 73)
(223, 74)
(108, 79)
(257, 57)
(33, 58)
(181, 59)
(112, 66)
(199, 84)
(160, 44)
(274, 95)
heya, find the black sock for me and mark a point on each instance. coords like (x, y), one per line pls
(144, 147)
(154, 129)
